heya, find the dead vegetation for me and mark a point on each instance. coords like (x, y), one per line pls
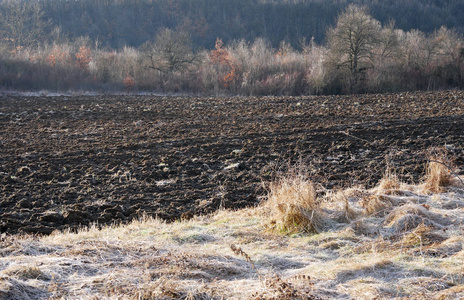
(439, 170)
(293, 204)
(389, 242)
(274, 287)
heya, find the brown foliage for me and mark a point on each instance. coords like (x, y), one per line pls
(83, 58)
(58, 56)
(222, 58)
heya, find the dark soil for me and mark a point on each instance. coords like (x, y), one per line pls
(66, 162)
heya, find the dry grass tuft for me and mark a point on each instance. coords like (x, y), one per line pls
(410, 216)
(446, 248)
(389, 183)
(293, 204)
(13, 289)
(418, 236)
(349, 214)
(455, 292)
(380, 205)
(407, 217)
(375, 204)
(438, 173)
(379, 201)
(26, 272)
(339, 202)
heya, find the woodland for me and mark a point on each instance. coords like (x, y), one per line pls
(237, 47)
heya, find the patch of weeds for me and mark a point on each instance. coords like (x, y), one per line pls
(293, 204)
(27, 272)
(439, 170)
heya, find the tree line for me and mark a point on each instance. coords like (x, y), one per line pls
(40, 49)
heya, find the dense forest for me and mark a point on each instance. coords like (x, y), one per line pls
(231, 46)
(119, 23)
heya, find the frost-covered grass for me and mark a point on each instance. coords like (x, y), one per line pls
(393, 241)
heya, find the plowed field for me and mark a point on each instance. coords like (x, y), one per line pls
(67, 162)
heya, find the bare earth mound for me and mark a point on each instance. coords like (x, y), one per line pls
(72, 161)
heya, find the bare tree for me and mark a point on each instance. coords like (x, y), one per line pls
(351, 41)
(22, 23)
(451, 51)
(388, 46)
(386, 60)
(171, 51)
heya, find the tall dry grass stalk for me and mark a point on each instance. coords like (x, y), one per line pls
(438, 173)
(293, 204)
(377, 202)
(389, 183)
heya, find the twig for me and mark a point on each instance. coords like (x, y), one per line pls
(239, 252)
(355, 137)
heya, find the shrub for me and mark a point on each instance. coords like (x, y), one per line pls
(83, 58)
(129, 82)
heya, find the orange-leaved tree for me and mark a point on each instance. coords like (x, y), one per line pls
(83, 58)
(58, 56)
(129, 82)
(221, 57)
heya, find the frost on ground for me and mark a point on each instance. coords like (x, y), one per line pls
(394, 241)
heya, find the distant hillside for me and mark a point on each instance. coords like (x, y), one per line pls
(132, 22)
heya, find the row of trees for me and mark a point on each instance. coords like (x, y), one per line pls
(370, 56)
(361, 55)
